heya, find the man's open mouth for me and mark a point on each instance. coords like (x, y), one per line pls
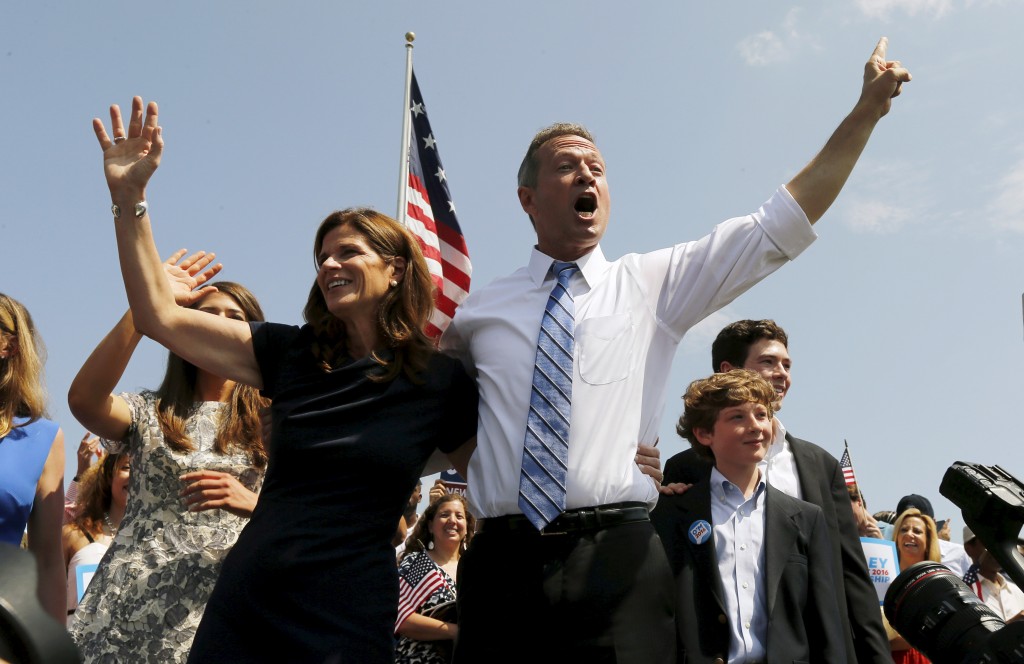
(586, 203)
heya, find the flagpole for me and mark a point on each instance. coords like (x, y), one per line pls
(403, 167)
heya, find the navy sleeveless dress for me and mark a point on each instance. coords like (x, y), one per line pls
(313, 576)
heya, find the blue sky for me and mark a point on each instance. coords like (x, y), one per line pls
(905, 318)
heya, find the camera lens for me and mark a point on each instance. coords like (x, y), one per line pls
(938, 614)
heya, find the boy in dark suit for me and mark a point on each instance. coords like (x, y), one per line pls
(752, 565)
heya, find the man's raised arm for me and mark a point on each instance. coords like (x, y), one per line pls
(820, 181)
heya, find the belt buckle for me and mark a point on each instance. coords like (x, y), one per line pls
(555, 532)
(575, 522)
(566, 527)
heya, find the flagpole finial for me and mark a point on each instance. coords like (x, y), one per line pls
(410, 37)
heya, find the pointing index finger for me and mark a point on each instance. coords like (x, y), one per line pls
(880, 49)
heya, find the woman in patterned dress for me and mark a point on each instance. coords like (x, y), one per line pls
(197, 462)
(426, 579)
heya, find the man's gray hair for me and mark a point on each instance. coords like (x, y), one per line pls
(529, 168)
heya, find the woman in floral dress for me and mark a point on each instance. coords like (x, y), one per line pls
(197, 463)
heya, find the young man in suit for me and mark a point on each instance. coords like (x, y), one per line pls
(752, 565)
(805, 471)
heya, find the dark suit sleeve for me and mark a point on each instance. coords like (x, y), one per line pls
(701, 629)
(821, 618)
(664, 518)
(687, 467)
(869, 639)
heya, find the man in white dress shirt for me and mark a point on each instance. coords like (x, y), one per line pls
(1000, 594)
(595, 582)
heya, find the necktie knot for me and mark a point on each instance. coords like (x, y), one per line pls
(564, 272)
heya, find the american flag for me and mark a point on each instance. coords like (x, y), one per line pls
(418, 579)
(847, 466)
(430, 215)
(972, 580)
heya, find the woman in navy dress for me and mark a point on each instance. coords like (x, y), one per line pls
(31, 455)
(361, 400)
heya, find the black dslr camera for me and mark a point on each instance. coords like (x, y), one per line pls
(933, 609)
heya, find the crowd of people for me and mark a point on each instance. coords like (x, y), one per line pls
(212, 535)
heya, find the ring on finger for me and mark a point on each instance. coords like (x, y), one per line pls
(118, 139)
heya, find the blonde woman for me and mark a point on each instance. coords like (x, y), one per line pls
(917, 540)
(31, 454)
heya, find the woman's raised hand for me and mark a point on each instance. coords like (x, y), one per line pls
(130, 157)
(88, 449)
(188, 275)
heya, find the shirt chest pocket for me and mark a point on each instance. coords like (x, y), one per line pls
(604, 344)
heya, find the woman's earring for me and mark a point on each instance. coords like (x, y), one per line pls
(430, 545)
(393, 283)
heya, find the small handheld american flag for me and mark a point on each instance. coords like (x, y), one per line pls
(847, 467)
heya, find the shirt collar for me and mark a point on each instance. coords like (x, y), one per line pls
(719, 483)
(592, 266)
(779, 442)
(778, 430)
(999, 582)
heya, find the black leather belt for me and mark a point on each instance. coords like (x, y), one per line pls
(585, 519)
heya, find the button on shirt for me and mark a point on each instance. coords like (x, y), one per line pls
(630, 316)
(738, 525)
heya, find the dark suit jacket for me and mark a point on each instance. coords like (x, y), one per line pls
(803, 614)
(821, 482)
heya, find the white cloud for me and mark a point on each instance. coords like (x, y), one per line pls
(764, 48)
(883, 8)
(874, 200)
(789, 23)
(769, 47)
(877, 217)
(1007, 207)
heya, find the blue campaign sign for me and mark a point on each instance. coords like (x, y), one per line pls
(883, 565)
(84, 574)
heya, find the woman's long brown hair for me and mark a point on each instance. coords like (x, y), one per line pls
(404, 310)
(240, 421)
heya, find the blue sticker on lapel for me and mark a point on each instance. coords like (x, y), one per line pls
(700, 531)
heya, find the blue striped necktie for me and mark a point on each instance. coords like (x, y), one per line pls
(546, 450)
